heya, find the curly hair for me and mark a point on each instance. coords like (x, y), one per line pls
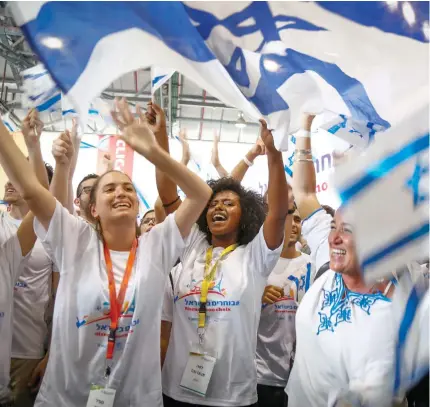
(254, 209)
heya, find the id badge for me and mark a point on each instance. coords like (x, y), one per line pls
(101, 397)
(198, 373)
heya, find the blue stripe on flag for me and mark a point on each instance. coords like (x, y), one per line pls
(49, 103)
(381, 168)
(68, 111)
(157, 79)
(8, 126)
(167, 21)
(84, 144)
(374, 14)
(416, 234)
(411, 308)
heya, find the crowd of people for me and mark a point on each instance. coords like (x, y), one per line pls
(225, 298)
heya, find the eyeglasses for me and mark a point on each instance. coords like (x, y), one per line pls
(147, 221)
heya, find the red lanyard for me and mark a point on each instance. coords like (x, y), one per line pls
(116, 303)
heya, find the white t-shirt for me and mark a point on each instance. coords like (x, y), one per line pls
(11, 265)
(344, 343)
(81, 325)
(276, 331)
(315, 229)
(31, 297)
(234, 304)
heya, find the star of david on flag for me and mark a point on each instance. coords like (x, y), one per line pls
(272, 59)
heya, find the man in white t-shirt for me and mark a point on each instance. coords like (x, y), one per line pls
(11, 266)
(286, 285)
(31, 298)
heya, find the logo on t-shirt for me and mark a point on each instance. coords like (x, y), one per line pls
(192, 298)
(101, 321)
(19, 285)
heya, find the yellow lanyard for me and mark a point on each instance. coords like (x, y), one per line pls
(208, 278)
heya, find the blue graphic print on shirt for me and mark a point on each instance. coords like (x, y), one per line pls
(338, 302)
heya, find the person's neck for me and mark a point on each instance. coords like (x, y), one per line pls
(224, 240)
(354, 282)
(18, 211)
(119, 237)
(289, 251)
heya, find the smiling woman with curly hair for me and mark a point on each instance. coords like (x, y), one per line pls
(217, 293)
(251, 218)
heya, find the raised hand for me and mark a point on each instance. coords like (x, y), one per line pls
(186, 153)
(271, 294)
(307, 120)
(215, 153)
(136, 133)
(155, 117)
(32, 128)
(107, 162)
(62, 149)
(267, 137)
(258, 148)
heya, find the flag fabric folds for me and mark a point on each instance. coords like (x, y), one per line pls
(272, 59)
(384, 195)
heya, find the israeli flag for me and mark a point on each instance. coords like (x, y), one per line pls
(272, 59)
(357, 133)
(384, 194)
(39, 90)
(159, 77)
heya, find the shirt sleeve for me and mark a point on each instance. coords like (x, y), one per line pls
(261, 257)
(193, 241)
(315, 229)
(166, 243)
(11, 255)
(66, 238)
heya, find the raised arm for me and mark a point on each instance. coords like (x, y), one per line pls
(222, 172)
(19, 171)
(140, 137)
(156, 121)
(304, 175)
(63, 152)
(243, 165)
(274, 225)
(186, 154)
(32, 128)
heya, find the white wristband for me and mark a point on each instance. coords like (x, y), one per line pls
(247, 162)
(304, 133)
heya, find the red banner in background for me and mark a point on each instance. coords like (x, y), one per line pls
(121, 154)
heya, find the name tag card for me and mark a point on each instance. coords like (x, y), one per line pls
(101, 397)
(198, 373)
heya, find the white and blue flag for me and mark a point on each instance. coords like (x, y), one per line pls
(385, 196)
(159, 76)
(367, 61)
(39, 90)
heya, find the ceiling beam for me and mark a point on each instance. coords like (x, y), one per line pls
(197, 119)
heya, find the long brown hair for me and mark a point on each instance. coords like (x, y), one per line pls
(92, 202)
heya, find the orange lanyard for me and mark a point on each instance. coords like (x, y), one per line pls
(116, 303)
